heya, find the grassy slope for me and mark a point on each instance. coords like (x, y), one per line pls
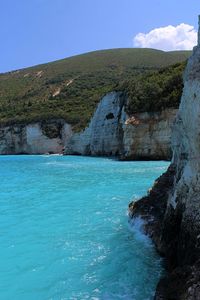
(71, 88)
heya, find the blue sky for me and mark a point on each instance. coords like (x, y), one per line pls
(38, 31)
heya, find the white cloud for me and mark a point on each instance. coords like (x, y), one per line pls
(180, 37)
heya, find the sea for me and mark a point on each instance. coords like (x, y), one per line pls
(65, 233)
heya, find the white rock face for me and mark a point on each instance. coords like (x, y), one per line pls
(186, 137)
(148, 135)
(103, 135)
(112, 132)
(36, 138)
(37, 142)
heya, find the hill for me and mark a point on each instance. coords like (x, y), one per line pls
(71, 88)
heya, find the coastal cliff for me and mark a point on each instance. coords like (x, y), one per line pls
(147, 135)
(104, 135)
(35, 138)
(113, 102)
(111, 132)
(172, 207)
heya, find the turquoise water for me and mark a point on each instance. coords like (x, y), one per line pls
(64, 230)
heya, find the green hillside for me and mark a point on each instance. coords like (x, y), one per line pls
(155, 90)
(71, 88)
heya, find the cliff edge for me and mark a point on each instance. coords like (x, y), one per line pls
(172, 207)
(113, 132)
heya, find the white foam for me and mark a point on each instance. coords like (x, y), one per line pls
(136, 225)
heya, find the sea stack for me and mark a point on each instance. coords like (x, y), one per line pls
(172, 207)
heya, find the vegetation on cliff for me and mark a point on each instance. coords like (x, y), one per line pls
(155, 91)
(71, 88)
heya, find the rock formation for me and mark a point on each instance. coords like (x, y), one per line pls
(147, 135)
(104, 135)
(172, 207)
(111, 132)
(36, 138)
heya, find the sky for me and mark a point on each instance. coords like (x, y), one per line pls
(39, 31)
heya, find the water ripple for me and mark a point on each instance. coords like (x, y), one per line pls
(64, 230)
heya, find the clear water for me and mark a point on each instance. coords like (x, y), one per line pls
(64, 231)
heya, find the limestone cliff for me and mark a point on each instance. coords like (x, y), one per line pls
(148, 135)
(36, 138)
(112, 132)
(172, 208)
(104, 134)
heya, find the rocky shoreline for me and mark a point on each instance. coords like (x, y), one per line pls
(164, 226)
(172, 207)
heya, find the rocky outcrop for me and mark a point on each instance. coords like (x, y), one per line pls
(104, 134)
(112, 132)
(172, 207)
(148, 135)
(36, 138)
